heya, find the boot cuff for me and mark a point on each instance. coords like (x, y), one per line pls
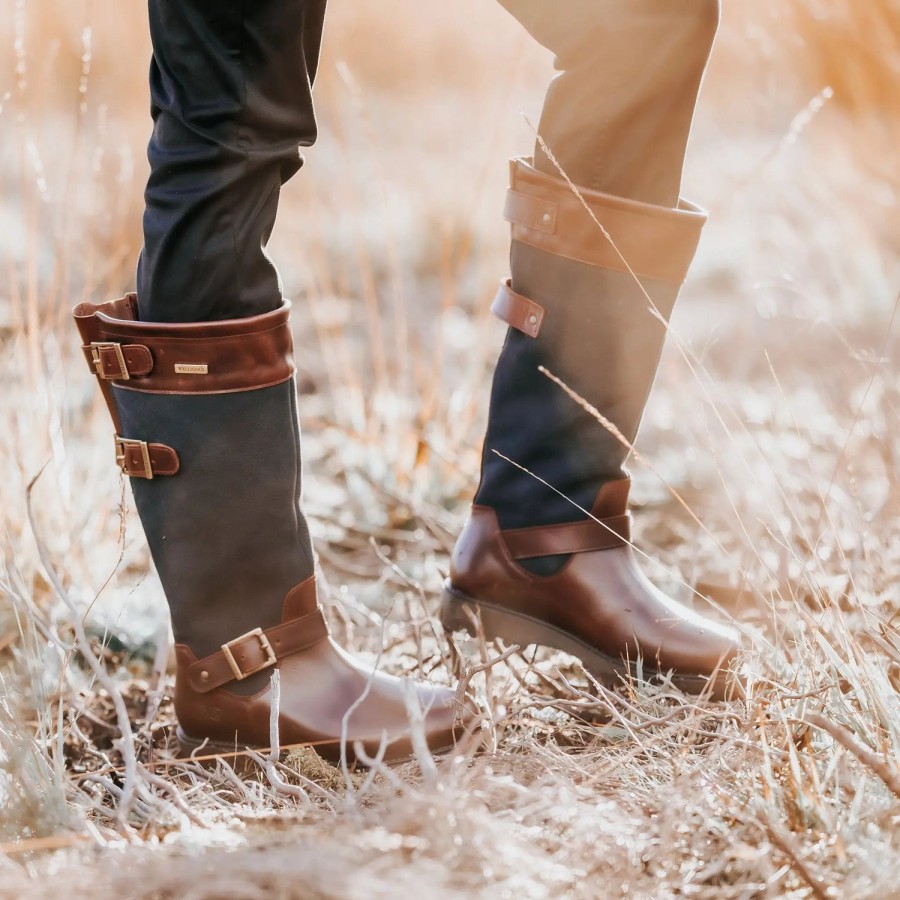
(600, 229)
(184, 358)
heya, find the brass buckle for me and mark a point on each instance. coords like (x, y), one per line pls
(96, 347)
(122, 444)
(270, 660)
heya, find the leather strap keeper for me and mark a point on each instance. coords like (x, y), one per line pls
(654, 241)
(218, 357)
(517, 311)
(256, 651)
(139, 459)
(571, 537)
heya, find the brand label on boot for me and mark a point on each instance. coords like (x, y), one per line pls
(191, 369)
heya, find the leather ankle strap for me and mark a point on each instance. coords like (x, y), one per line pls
(257, 651)
(570, 537)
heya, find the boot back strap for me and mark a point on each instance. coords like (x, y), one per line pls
(517, 311)
(257, 651)
(571, 537)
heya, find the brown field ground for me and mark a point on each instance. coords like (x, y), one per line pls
(767, 474)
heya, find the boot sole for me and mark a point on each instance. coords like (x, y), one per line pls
(211, 751)
(460, 612)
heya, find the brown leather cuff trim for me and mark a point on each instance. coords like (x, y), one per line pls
(186, 358)
(111, 361)
(257, 651)
(141, 387)
(124, 308)
(654, 241)
(571, 537)
(140, 459)
(517, 311)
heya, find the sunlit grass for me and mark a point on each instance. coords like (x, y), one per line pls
(774, 420)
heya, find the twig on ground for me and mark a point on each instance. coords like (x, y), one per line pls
(848, 741)
(126, 740)
(783, 842)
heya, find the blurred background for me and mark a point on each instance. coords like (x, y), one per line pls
(775, 415)
(390, 240)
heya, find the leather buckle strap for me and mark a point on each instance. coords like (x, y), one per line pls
(139, 459)
(517, 311)
(113, 361)
(570, 537)
(256, 651)
(269, 654)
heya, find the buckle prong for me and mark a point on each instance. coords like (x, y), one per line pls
(96, 347)
(236, 670)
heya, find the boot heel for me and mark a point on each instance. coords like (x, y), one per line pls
(458, 613)
(462, 613)
(188, 745)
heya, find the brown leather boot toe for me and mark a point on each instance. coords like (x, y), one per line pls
(327, 698)
(599, 606)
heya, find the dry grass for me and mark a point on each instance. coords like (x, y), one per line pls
(775, 420)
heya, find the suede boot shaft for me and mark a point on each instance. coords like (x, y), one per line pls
(602, 274)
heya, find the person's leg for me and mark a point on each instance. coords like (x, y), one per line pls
(230, 86)
(616, 119)
(197, 370)
(618, 115)
(587, 308)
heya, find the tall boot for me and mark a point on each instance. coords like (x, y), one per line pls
(206, 427)
(530, 561)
